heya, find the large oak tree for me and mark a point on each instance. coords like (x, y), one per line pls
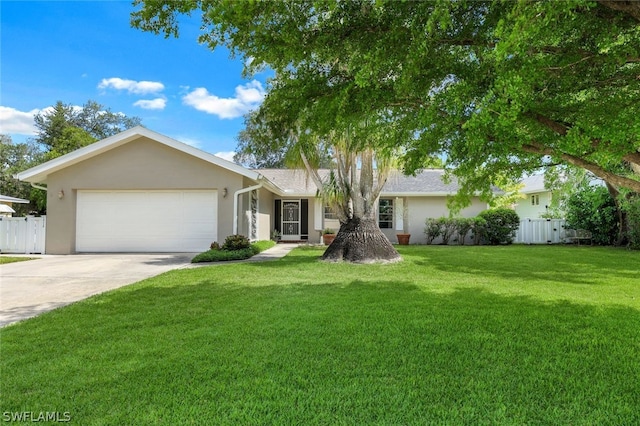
(498, 87)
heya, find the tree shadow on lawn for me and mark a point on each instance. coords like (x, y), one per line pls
(359, 352)
(576, 265)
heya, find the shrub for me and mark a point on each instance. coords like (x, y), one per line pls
(463, 227)
(478, 227)
(236, 242)
(432, 229)
(593, 209)
(217, 255)
(214, 246)
(223, 255)
(447, 229)
(501, 225)
(631, 207)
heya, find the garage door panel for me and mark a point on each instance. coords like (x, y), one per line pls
(146, 221)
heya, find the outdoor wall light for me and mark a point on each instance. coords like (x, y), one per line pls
(61, 194)
(224, 192)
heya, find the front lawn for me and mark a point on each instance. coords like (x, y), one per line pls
(451, 335)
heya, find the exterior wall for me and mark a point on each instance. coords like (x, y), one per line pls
(265, 211)
(527, 211)
(420, 208)
(140, 164)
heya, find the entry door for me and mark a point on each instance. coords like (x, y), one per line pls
(291, 220)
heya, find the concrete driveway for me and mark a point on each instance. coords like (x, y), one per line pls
(35, 286)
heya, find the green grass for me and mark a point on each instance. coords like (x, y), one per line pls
(451, 335)
(10, 259)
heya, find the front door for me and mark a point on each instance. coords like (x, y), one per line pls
(290, 220)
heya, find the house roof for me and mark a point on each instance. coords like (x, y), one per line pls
(533, 184)
(425, 183)
(39, 173)
(284, 182)
(7, 199)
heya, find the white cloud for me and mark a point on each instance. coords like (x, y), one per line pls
(158, 103)
(131, 86)
(226, 155)
(13, 121)
(247, 97)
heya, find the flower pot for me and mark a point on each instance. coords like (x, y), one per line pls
(403, 239)
(328, 238)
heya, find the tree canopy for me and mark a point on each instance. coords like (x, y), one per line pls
(494, 86)
(65, 128)
(59, 130)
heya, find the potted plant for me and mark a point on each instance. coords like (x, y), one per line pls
(328, 235)
(275, 235)
(403, 236)
(403, 239)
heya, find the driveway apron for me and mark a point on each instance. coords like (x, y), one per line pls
(32, 287)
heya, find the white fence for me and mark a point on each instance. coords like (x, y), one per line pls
(541, 231)
(22, 234)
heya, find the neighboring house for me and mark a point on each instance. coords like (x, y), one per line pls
(140, 191)
(537, 198)
(6, 202)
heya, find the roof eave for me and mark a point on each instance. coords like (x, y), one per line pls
(40, 173)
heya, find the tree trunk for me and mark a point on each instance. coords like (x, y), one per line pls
(361, 241)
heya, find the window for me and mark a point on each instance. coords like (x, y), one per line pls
(385, 213)
(535, 200)
(329, 213)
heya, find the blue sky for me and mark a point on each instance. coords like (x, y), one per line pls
(77, 51)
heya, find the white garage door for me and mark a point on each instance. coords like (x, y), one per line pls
(146, 221)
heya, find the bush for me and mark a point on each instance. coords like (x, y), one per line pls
(432, 229)
(501, 225)
(219, 255)
(236, 242)
(448, 227)
(593, 209)
(223, 255)
(478, 227)
(631, 207)
(463, 227)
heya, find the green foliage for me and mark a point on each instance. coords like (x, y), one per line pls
(14, 158)
(452, 227)
(65, 128)
(217, 254)
(236, 242)
(433, 229)
(448, 226)
(223, 255)
(499, 88)
(478, 229)
(464, 225)
(593, 209)
(501, 225)
(631, 206)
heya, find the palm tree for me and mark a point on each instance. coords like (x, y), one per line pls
(352, 188)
